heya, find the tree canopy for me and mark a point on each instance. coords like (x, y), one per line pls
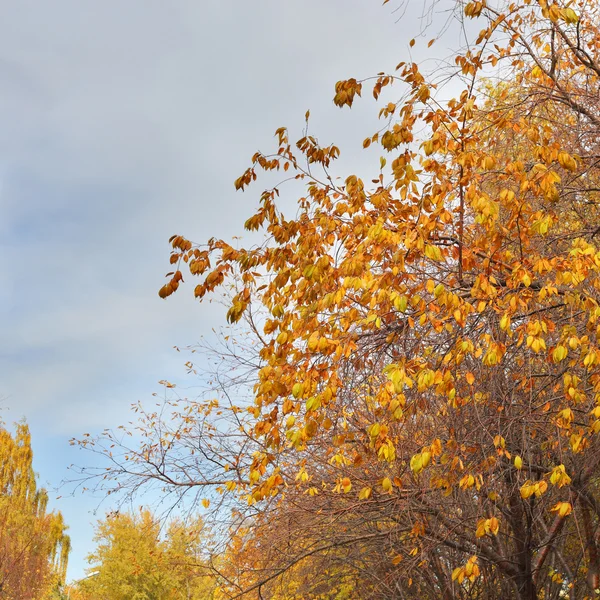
(424, 342)
(34, 546)
(133, 561)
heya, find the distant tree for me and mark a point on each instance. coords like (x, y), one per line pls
(34, 547)
(133, 562)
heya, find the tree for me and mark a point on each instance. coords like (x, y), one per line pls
(133, 562)
(34, 547)
(426, 401)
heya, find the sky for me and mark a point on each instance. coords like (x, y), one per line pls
(122, 124)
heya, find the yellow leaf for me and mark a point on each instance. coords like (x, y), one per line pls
(433, 252)
(559, 353)
(365, 493)
(466, 481)
(569, 15)
(401, 303)
(559, 476)
(480, 532)
(527, 490)
(563, 508)
(494, 525)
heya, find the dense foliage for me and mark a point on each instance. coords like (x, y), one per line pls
(34, 547)
(133, 562)
(424, 343)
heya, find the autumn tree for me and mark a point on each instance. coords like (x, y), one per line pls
(133, 561)
(425, 342)
(34, 547)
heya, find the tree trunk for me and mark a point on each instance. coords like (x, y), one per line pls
(526, 587)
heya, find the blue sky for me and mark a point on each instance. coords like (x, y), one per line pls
(122, 124)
